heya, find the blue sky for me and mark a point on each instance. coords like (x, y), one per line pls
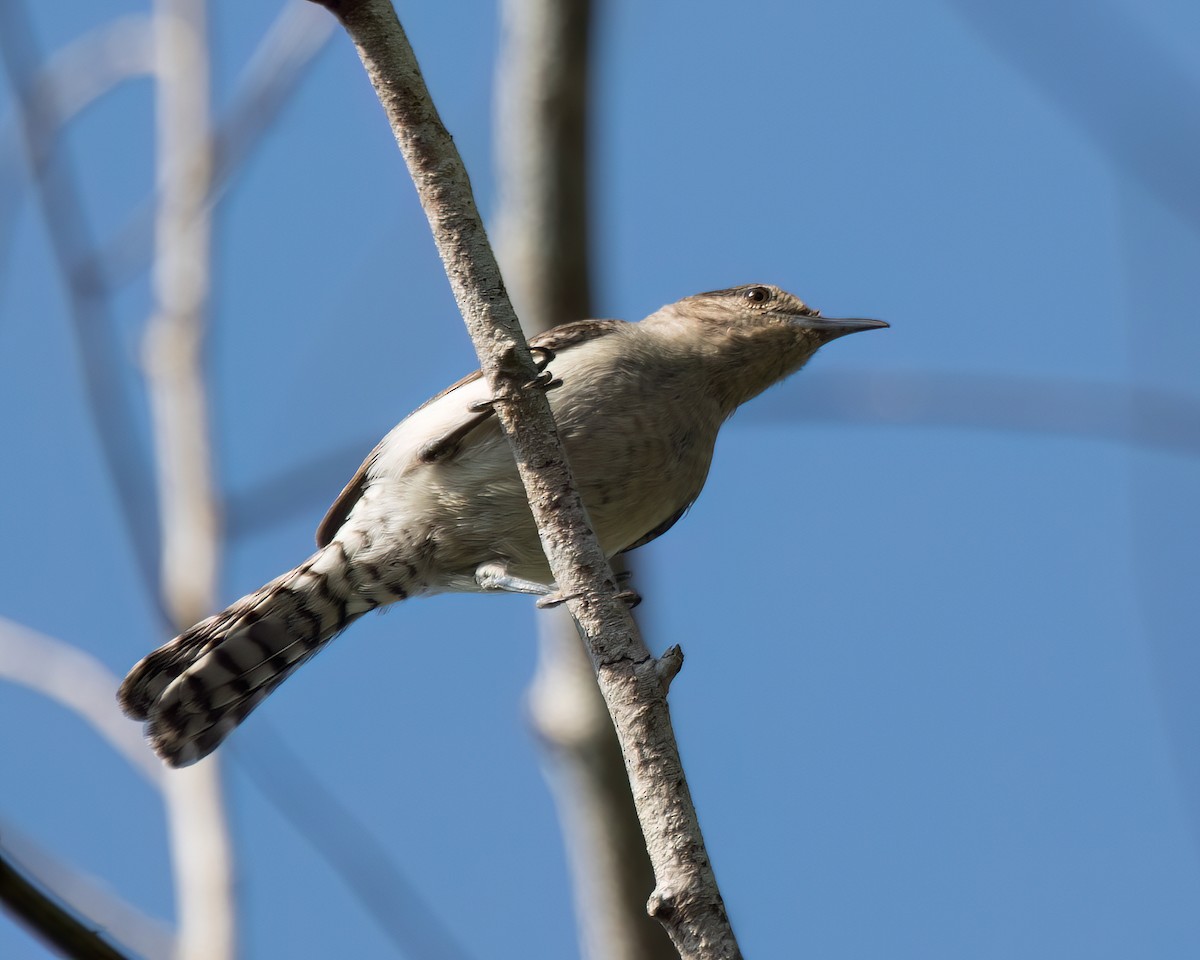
(940, 691)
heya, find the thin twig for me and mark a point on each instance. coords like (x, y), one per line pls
(686, 898)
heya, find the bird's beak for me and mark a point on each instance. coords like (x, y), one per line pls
(833, 327)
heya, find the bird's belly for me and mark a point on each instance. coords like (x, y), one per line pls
(631, 474)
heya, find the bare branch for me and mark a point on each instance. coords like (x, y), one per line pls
(669, 665)
(50, 921)
(202, 854)
(74, 77)
(686, 898)
(542, 226)
(610, 872)
(200, 844)
(83, 685)
(91, 897)
(541, 148)
(173, 351)
(269, 79)
(77, 681)
(100, 352)
(78, 74)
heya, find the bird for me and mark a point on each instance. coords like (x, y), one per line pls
(438, 506)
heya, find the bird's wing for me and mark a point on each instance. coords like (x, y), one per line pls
(555, 340)
(662, 527)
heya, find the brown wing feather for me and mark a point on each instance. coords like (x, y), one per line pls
(556, 339)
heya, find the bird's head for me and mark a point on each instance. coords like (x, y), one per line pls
(747, 338)
(760, 306)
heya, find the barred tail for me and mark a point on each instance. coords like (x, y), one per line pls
(195, 690)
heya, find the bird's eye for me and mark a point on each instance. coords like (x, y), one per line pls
(757, 294)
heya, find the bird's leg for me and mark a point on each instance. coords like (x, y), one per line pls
(628, 594)
(631, 597)
(494, 575)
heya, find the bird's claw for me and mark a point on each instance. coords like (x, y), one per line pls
(631, 597)
(543, 381)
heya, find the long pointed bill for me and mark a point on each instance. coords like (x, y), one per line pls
(833, 327)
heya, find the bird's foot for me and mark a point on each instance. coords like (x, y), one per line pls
(554, 599)
(495, 576)
(545, 380)
(631, 597)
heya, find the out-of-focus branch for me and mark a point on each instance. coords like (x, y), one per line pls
(346, 845)
(174, 345)
(1113, 412)
(77, 681)
(201, 850)
(72, 78)
(49, 920)
(270, 78)
(1088, 411)
(100, 353)
(686, 898)
(542, 226)
(90, 897)
(541, 149)
(1108, 76)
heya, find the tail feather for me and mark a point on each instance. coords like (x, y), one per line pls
(192, 692)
